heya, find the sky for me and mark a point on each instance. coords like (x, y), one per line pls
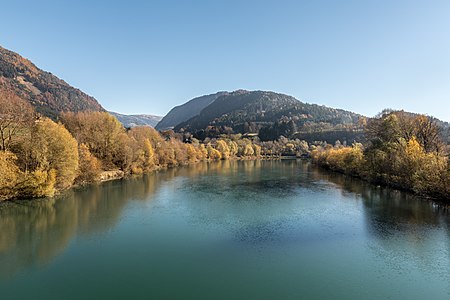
(149, 56)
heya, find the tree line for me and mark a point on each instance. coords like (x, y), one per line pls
(403, 150)
(39, 157)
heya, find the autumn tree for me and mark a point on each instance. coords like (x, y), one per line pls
(248, 150)
(89, 166)
(213, 154)
(399, 126)
(404, 151)
(223, 148)
(16, 116)
(100, 131)
(9, 175)
(54, 148)
(257, 150)
(233, 146)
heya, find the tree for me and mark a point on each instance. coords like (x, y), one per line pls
(223, 148)
(248, 150)
(399, 126)
(54, 148)
(192, 153)
(203, 152)
(100, 131)
(213, 154)
(233, 146)
(89, 167)
(428, 133)
(257, 150)
(16, 116)
(9, 175)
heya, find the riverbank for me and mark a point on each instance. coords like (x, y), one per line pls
(424, 175)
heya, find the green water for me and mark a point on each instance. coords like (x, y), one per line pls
(228, 230)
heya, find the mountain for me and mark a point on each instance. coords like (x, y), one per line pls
(46, 92)
(184, 112)
(267, 113)
(137, 120)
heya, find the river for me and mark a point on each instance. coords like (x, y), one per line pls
(227, 230)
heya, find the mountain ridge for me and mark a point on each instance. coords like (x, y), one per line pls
(49, 94)
(267, 113)
(185, 111)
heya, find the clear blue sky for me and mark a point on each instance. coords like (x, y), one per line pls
(148, 56)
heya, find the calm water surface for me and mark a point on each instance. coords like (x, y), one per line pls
(228, 230)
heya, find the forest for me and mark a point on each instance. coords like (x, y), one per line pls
(40, 157)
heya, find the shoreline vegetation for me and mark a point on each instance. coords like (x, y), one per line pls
(403, 151)
(40, 157)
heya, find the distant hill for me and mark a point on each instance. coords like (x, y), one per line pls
(46, 92)
(184, 112)
(269, 114)
(130, 121)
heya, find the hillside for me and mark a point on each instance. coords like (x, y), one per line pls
(130, 121)
(267, 113)
(184, 112)
(46, 92)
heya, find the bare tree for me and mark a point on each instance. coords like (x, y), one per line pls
(16, 115)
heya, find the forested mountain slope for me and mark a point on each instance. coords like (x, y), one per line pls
(184, 112)
(46, 92)
(269, 114)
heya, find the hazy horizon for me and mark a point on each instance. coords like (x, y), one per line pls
(146, 58)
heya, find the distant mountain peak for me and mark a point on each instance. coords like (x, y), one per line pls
(130, 121)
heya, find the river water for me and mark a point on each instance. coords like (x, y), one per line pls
(227, 230)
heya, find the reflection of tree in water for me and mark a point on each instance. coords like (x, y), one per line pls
(405, 227)
(33, 232)
(274, 178)
(252, 199)
(389, 207)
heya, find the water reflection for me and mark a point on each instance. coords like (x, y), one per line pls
(34, 232)
(385, 207)
(403, 227)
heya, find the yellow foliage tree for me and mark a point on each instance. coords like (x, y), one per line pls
(233, 146)
(39, 183)
(192, 153)
(248, 150)
(54, 148)
(89, 166)
(203, 152)
(213, 154)
(223, 148)
(257, 150)
(9, 175)
(100, 131)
